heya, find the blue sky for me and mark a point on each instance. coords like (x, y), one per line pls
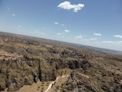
(89, 22)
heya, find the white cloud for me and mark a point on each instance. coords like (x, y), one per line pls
(79, 37)
(97, 34)
(92, 39)
(56, 23)
(66, 5)
(119, 41)
(67, 31)
(108, 42)
(62, 25)
(118, 36)
(59, 33)
(113, 42)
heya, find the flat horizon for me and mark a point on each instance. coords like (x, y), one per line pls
(60, 41)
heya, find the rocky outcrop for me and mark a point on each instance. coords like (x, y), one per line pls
(26, 60)
(25, 72)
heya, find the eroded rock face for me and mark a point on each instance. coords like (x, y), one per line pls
(25, 60)
(80, 82)
(19, 73)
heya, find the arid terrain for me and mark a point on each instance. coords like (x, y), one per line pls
(29, 64)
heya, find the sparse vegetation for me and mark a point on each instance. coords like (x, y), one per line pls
(27, 61)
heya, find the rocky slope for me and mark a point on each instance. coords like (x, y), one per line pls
(28, 60)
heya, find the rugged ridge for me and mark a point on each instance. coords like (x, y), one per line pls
(26, 60)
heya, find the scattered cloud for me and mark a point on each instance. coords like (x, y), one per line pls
(112, 42)
(120, 41)
(59, 34)
(97, 34)
(92, 39)
(79, 37)
(118, 36)
(56, 23)
(67, 31)
(108, 42)
(66, 5)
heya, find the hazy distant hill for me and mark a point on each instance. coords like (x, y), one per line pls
(105, 50)
(30, 64)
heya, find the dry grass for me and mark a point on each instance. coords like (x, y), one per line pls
(36, 87)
